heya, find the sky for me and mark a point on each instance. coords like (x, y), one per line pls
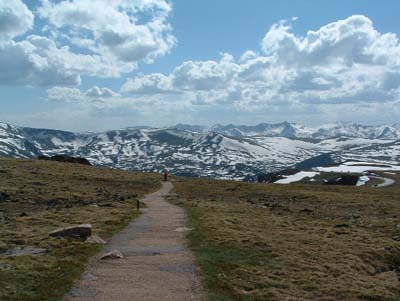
(92, 65)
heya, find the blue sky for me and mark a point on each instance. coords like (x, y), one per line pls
(160, 63)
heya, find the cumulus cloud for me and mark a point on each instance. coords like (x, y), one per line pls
(38, 61)
(127, 31)
(347, 61)
(94, 94)
(95, 38)
(15, 18)
(155, 83)
(343, 43)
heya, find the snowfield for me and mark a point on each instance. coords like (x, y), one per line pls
(297, 177)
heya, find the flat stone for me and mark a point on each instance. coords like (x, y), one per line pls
(90, 277)
(94, 239)
(396, 238)
(112, 255)
(78, 231)
(183, 229)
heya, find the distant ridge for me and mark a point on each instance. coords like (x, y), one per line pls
(221, 151)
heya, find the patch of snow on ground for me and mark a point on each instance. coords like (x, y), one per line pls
(355, 169)
(297, 177)
(362, 180)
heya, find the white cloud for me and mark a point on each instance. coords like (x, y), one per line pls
(100, 92)
(38, 61)
(95, 38)
(15, 18)
(347, 61)
(92, 95)
(155, 83)
(343, 43)
(126, 31)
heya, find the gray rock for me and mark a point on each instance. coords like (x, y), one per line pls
(82, 231)
(94, 239)
(112, 255)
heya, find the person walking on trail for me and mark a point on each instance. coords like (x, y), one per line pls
(165, 174)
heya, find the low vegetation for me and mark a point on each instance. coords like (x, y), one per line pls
(37, 197)
(294, 242)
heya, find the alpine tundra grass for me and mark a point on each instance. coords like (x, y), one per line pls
(294, 242)
(43, 196)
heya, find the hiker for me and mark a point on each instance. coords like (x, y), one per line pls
(165, 173)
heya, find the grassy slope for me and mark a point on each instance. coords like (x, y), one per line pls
(55, 195)
(294, 242)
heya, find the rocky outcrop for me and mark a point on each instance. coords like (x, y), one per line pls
(82, 231)
(67, 159)
(350, 180)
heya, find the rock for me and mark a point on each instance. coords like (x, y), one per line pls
(82, 231)
(4, 197)
(112, 255)
(6, 267)
(94, 239)
(342, 225)
(64, 158)
(343, 180)
(22, 251)
(183, 229)
(396, 238)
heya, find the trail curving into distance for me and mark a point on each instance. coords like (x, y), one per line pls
(157, 265)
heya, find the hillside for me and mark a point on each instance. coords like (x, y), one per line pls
(37, 197)
(217, 152)
(294, 242)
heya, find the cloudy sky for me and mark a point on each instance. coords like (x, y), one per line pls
(105, 64)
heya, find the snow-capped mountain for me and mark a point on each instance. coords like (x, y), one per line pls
(221, 151)
(294, 130)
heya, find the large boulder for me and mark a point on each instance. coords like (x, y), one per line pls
(82, 231)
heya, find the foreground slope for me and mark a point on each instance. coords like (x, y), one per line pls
(295, 242)
(40, 196)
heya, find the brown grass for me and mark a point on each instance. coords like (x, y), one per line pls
(294, 242)
(47, 195)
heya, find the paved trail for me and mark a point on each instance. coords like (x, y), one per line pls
(156, 264)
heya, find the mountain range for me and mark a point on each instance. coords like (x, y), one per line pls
(220, 151)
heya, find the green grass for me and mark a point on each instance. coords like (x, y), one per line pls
(55, 195)
(293, 242)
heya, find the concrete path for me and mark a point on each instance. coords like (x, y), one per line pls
(156, 265)
(386, 182)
